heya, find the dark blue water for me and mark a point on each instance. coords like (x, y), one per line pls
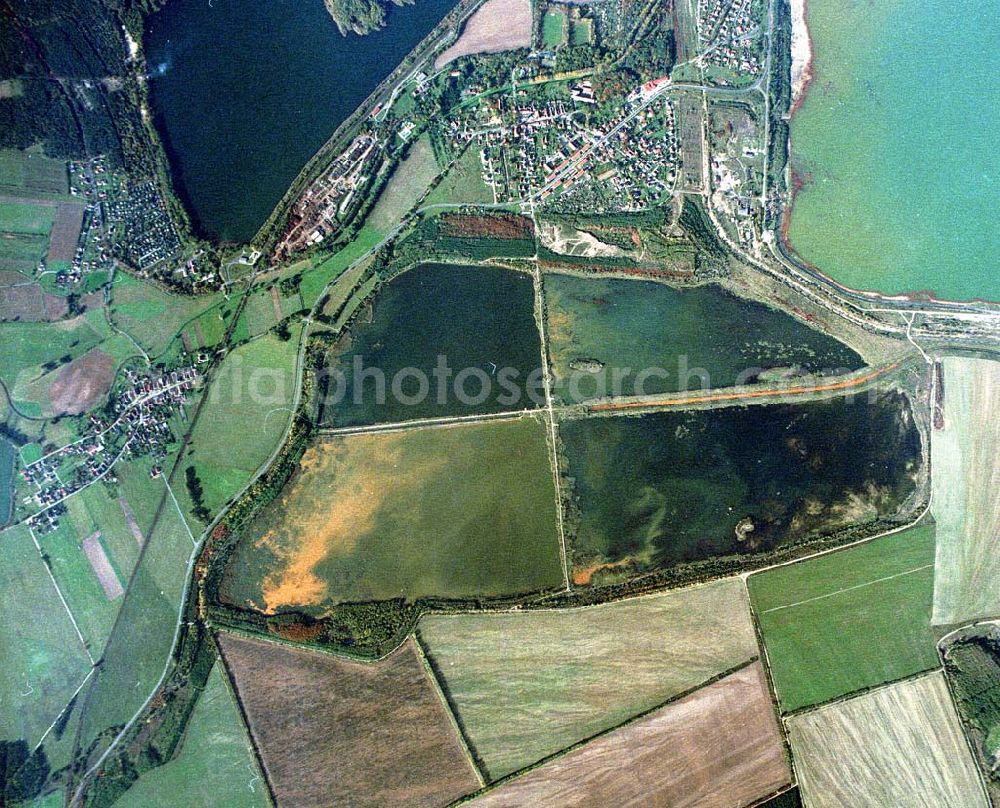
(245, 91)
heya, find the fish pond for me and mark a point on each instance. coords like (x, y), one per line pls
(674, 487)
(439, 340)
(661, 339)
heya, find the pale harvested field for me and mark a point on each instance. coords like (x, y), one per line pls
(333, 732)
(966, 493)
(408, 183)
(529, 684)
(102, 567)
(82, 383)
(897, 746)
(498, 25)
(719, 747)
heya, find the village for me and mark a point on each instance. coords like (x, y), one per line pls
(136, 424)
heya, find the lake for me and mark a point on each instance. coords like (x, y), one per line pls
(244, 93)
(896, 143)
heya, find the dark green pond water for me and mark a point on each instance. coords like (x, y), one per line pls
(245, 91)
(672, 487)
(478, 320)
(675, 333)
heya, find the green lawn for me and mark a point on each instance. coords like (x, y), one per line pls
(406, 185)
(250, 396)
(26, 346)
(463, 184)
(32, 172)
(848, 620)
(94, 613)
(460, 511)
(215, 764)
(152, 316)
(316, 279)
(554, 29)
(44, 662)
(26, 217)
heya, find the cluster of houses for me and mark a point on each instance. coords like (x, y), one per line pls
(732, 36)
(541, 148)
(320, 210)
(139, 223)
(138, 426)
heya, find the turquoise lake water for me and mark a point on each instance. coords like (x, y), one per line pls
(898, 141)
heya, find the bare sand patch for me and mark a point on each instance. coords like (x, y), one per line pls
(102, 567)
(498, 25)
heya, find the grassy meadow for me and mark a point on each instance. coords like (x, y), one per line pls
(44, 662)
(850, 619)
(407, 184)
(215, 764)
(559, 676)
(459, 511)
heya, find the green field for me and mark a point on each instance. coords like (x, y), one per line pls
(554, 29)
(581, 32)
(215, 764)
(250, 395)
(140, 643)
(94, 612)
(529, 684)
(406, 185)
(848, 620)
(27, 346)
(32, 172)
(44, 662)
(463, 184)
(26, 217)
(456, 512)
(315, 280)
(150, 315)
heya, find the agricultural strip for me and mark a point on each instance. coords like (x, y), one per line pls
(44, 662)
(899, 745)
(848, 620)
(457, 511)
(497, 25)
(215, 765)
(682, 339)
(333, 732)
(559, 677)
(408, 183)
(715, 748)
(102, 567)
(966, 492)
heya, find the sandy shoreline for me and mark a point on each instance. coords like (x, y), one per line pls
(802, 72)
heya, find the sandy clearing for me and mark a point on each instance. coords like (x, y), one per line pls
(718, 747)
(895, 746)
(337, 733)
(966, 493)
(498, 25)
(801, 53)
(566, 240)
(102, 567)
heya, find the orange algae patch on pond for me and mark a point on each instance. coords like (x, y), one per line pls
(333, 503)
